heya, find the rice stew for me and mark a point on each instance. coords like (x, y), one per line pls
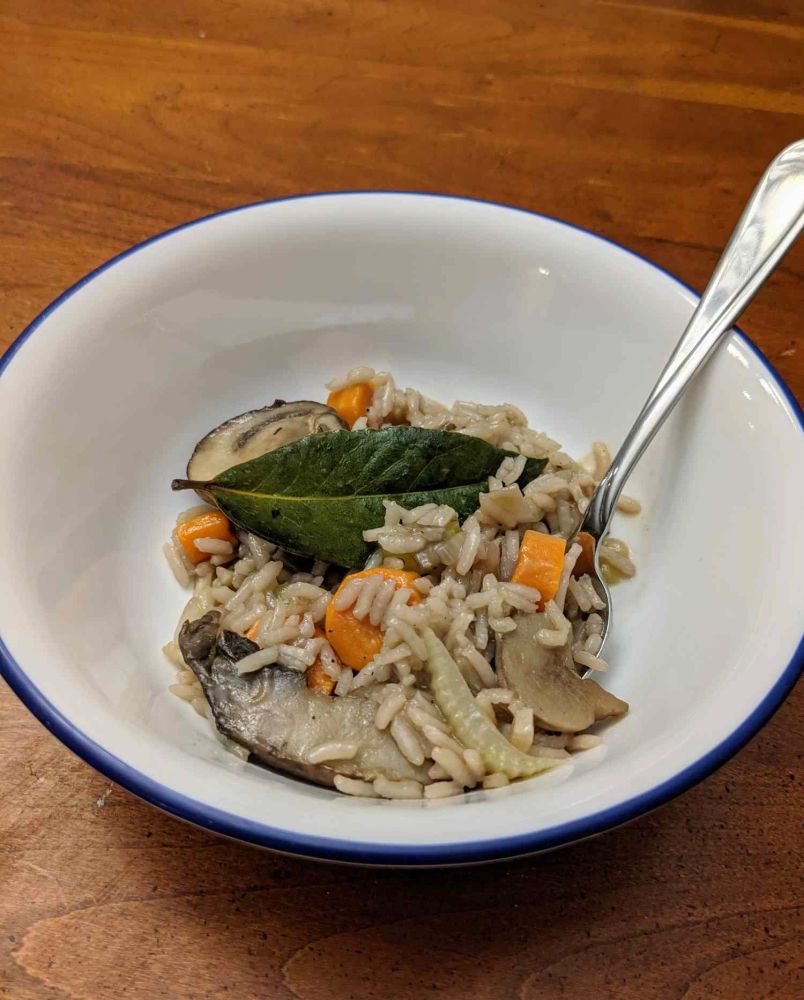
(460, 653)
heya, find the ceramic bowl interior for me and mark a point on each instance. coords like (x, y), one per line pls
(108, 391)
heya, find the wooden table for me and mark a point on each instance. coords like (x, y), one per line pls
(648, 122)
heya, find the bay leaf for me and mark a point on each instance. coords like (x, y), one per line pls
(316, 496)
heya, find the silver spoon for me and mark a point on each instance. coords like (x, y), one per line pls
(772, 220)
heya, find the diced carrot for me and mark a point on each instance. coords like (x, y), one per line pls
(318, 679)
(351, 403)
(586, 560)
(539, 564)
(357, 641)
(211, 524)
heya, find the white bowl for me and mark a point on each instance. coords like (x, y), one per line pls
(106, 392)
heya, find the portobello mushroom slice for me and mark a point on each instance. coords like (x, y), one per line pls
(257, 432)
(546, 679)
(274, 715)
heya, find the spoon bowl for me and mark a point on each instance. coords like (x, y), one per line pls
(770, 223)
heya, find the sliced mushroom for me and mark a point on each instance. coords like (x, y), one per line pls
(274, 715)
(545, 679)
(257, 432)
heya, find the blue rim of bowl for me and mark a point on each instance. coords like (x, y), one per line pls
(329, 848)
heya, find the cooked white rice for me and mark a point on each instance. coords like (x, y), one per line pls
(464, 590)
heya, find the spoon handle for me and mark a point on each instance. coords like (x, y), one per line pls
(772, 220)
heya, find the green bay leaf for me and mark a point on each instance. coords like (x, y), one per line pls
(316, 496)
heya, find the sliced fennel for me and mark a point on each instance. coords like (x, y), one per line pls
(473, 729)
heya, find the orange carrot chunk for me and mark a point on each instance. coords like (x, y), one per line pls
(318, 679)
(351, 403)
(586, 560)
(211, 524)
(539, 563)
(357, 641)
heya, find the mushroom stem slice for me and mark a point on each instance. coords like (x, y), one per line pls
(545, 679)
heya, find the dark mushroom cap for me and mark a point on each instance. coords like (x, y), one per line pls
(273, 714)
(257, 432)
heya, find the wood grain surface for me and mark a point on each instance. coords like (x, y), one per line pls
(647, 121)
